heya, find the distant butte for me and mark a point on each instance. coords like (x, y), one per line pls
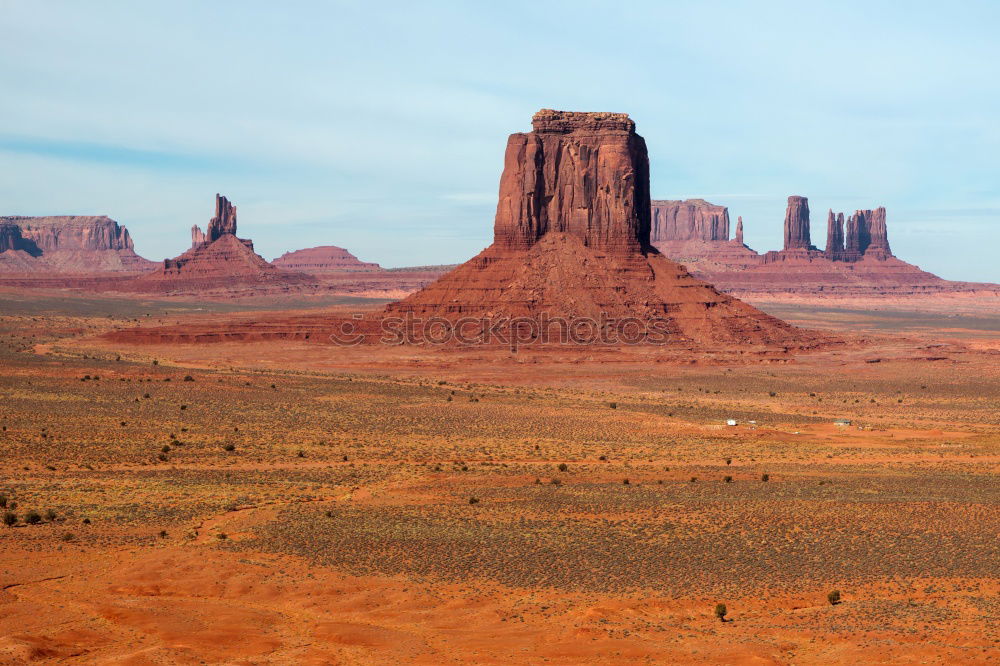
(67, 244)
(218, 260)
(857, 259)
(572, 240)
(571, 243)
(324, 259)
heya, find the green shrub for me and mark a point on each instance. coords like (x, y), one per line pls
(9, 518)
(833, 597)
(563, 467)
(765, 477)
(720, 612)
(32, 517)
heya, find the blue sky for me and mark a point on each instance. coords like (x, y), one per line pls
(380, 127)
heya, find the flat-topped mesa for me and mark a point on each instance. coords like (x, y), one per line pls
(797, 224)
(584, 174)
(224, 221)
(691, 219)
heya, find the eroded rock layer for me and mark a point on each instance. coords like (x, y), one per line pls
(324, 259)
(220, 262)
(692, 219)
(67, 244)
(584, 174)
(857, 260)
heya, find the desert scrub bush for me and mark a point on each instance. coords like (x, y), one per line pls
(720, 612)
(229, 447)
(473, 500)
(727, 479)
(32, 517)
(50, 515)
(833, 597)
(765, 477)
(9, 518)
(68, 536)
(613, 405)
(563, 467)
(3, 501)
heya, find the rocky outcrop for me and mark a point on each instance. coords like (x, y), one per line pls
(739, 230)
(222, 262)
(571, 242)
(224, 221)
(875, 241)
(68, 244)
(692, 219)
(324, 259)
(197, 236)
(834, 235)
(582, 174)
(10, 237)
(797, 224)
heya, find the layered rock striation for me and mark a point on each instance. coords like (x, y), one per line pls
(324, 259)
(67, 244)
(692, 219)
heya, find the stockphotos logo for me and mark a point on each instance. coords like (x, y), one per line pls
(514, 332)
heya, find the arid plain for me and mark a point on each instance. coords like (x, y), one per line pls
(293, 502)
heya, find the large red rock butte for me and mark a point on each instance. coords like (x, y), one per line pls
(857, 260)
(220, 261)
(68, 244)
(571, 240)
(324, 259)
(571, 245)
(797, 224)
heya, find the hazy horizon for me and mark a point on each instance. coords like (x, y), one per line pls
(382, 129)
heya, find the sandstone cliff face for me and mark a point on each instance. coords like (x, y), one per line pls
(797, 224)
(72, 232)
(224, 221)
(323, 259)
(692, 219)
(584, 174)
(10, 237)
(834, 235)
(572, 242)
(864, 236)
(68, 244)
(877, 235)
(197, 236)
